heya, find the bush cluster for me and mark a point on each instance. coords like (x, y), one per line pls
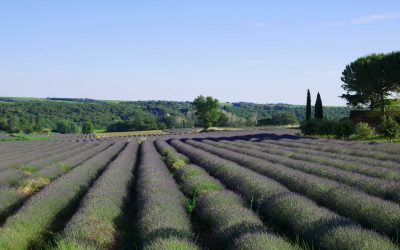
(388, 128)
(340, 129)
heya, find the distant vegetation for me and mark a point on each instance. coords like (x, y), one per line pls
(370, 81)
(68, 115)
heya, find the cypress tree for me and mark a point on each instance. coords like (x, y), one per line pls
(319, 113)
(308, 107)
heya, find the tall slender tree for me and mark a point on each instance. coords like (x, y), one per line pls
(308, 107)
(319, 112)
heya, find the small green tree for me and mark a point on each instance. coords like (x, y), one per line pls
(389, 128)
(363, 131)
(308, 107)
(343, 129)
(87, 127)
(206, 110)
(319, 112)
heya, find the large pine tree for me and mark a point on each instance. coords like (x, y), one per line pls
(308, 107)
(319, 112)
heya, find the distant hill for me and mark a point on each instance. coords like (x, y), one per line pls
(38, 113)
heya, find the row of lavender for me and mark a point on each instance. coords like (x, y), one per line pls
(278, 201)
(240, 195)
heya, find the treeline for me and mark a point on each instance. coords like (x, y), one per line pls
(68, 115)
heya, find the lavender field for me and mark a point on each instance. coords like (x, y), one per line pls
(260, 189)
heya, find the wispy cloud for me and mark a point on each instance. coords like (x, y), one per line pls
(364, 20)
(374, 18)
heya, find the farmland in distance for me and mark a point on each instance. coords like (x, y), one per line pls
(255, 189)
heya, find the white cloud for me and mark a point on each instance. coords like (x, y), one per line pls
(364, 20)
(374, 18)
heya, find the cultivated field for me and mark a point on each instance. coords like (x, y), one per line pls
(224, 190)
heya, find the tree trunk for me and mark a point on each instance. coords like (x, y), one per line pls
(382, 102)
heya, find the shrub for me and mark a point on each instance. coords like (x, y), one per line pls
(310, 127)
(363, 131)
(389, 128)
(343, 129)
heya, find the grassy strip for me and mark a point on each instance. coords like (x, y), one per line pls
(161, 206)
(94, 223)
(286, 211)
(369, 211)
(228, 221)
(47, 209)
(25, 137)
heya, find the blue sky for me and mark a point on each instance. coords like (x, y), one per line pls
(258, 51)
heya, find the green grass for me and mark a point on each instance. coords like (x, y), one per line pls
(29, 169)
(25, 137)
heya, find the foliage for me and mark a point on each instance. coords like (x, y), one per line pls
(370, 79)
(206, 110)
(343, 129)
(29, 115)
(340, 129)
(147, 122)
(87, 127)
(66, 127)
(279, 118)
(319, 111)
(389, 128)
(363, 131)
(308, 105)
